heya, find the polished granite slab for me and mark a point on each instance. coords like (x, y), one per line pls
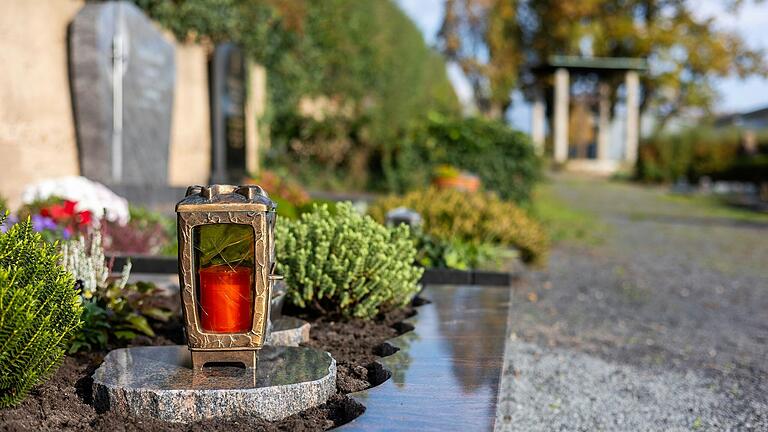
(159, 382)
(446, 374)
(288, 331)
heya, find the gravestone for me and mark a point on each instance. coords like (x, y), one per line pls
(228, 114)
(122, 73)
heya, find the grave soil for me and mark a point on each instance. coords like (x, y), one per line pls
(65, 401)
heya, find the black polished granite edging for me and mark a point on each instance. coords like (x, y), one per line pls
(445, 373)
(432, 276)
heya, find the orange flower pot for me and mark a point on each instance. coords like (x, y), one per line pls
(463, 182)
(225, 299)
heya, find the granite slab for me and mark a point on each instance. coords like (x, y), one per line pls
(288, 331)
(446, 373)
(159, 382)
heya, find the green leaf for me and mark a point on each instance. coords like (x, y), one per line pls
(140, 323)
(125, 335)
(229, 244)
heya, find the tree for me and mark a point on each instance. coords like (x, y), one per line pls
(497, 42)
(361, 65)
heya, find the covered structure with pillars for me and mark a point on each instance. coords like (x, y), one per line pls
(579, 95)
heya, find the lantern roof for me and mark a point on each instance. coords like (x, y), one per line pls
(225, 198)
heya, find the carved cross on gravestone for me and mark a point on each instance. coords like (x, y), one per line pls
(122, 72)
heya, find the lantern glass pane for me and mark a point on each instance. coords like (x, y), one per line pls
(224, 273)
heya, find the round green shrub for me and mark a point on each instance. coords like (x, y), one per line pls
(346, 264)
(503, 158)
(40, 311)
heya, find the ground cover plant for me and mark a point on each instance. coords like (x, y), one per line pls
(347, 264)
(478, 218)
(433, 252)
(40, 311)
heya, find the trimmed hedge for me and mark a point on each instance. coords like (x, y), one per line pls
(698, 152)
(503, 158)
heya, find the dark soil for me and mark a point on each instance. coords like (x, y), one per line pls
(64, 401)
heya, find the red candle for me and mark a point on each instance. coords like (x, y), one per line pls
(225, 299)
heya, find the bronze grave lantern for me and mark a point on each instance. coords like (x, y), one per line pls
(226, 260)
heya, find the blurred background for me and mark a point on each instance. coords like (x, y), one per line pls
(346, 99)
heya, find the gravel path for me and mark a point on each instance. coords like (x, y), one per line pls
(662, 326)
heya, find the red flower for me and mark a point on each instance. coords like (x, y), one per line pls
(56, 212)
(59, 212)
(69, 207)
(84, 217)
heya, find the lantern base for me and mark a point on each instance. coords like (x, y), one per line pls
(248, 358)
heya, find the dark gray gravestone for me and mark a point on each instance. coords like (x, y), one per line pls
(228, 114)
(122, 72)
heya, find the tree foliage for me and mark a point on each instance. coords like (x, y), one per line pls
(497, 42)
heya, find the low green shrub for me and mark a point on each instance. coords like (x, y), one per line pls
(40, 311)
(697, 152)
(433, 252)
(502, 157)
(346, 264)
(473, 217)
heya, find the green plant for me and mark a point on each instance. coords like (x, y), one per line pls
(446, 171)
(346, 264)
(458, 254)
(478, 218)
(502, 157)
(114, 310)
(40, 311)
(701, 151)
(120, 314)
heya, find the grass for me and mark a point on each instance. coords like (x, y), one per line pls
(715, 207)
(564, 223)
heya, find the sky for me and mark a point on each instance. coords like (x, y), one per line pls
(736, 95)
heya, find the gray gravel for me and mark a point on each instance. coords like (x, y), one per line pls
(663, 326)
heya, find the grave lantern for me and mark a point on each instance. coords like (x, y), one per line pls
(226, 259)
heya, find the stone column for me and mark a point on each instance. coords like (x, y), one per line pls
(633, 116)
(603, 121)
(538, 118)
(562, 90)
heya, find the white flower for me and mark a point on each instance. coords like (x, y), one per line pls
(89, 195)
